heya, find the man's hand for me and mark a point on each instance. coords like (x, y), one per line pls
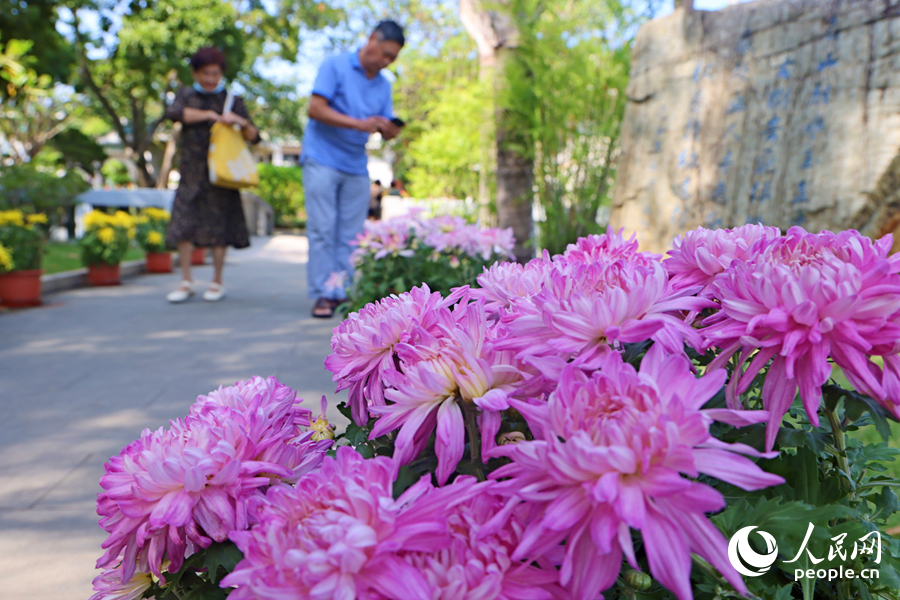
(373, 124)
(389, 131)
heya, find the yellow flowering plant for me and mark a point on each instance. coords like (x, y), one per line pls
(151, 229)
(106, 237)
(21, 238)
(6, 261)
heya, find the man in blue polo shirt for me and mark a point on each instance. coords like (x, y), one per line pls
(350, 100)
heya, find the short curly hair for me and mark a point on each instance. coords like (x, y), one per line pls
(207, 56)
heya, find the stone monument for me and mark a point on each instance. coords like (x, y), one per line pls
(782, 112)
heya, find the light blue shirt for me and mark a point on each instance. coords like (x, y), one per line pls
(343, 82)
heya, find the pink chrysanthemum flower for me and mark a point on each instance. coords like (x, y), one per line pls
(456, 366)
(339, 533)
(807, 298)
(363, 344)
(109, 585)
(699, 255)
(492, 242)
(173, 491)
(384, 238)
(480, 567)
(604, 248)
(584, 309)
(444, 233)
(503, 283)
(255, 394)
(611, 454)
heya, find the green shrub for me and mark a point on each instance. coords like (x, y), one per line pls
(282, 188)
(444, 253)
(39, 191)
(115, 172)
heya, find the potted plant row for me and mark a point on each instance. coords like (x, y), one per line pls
(21, 241)
(104, 245)
(151, 235)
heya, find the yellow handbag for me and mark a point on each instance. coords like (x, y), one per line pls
(231, 164)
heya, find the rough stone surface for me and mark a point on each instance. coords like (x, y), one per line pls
(784, 112)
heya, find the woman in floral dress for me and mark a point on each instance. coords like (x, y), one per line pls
(204, 215)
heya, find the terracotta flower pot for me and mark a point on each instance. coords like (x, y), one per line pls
(104, 275)
(21, 288)
(198, 256)
(159, 262)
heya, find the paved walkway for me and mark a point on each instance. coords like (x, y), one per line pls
(82, 376)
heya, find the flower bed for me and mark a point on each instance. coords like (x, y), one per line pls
(443, 252)
(597, 422)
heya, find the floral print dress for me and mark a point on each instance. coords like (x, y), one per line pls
(202, 213)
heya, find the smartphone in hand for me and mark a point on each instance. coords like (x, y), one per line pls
(398, 122)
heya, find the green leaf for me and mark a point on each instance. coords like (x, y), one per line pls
(887, 574)
(856, 405)
(406, 478)
(805, 478)
(345, 410)
(784, 592)
(365, 451)
(222, 557)
(886, 504)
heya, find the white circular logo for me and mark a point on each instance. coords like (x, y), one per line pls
(740, 552)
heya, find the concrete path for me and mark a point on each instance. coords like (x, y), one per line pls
(82, 376)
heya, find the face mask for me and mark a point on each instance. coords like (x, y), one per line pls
(203, 90)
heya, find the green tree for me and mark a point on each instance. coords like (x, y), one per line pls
(78, 150)
(559, 68)
(439, 95)
(129, 74)
(277, 109)
(34, 110)
(139, 57)
(565, 95)
(444, 158)
(35, 21)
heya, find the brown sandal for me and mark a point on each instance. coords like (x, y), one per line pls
(324, 308)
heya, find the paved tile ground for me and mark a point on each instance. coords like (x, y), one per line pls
(82, 376)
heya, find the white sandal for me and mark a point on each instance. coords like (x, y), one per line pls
(184, 291)
(215, 292)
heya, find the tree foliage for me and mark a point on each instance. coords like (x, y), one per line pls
(565, 96)
(34, 110)
(134, 63)
(140, 65)
(35, 21)
(448, 109)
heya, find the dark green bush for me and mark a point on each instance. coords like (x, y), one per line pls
(37, 191)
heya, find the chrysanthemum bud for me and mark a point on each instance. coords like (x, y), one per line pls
(638, 580)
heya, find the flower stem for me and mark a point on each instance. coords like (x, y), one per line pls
(840, 443)
(711, 571)
(474, 439)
